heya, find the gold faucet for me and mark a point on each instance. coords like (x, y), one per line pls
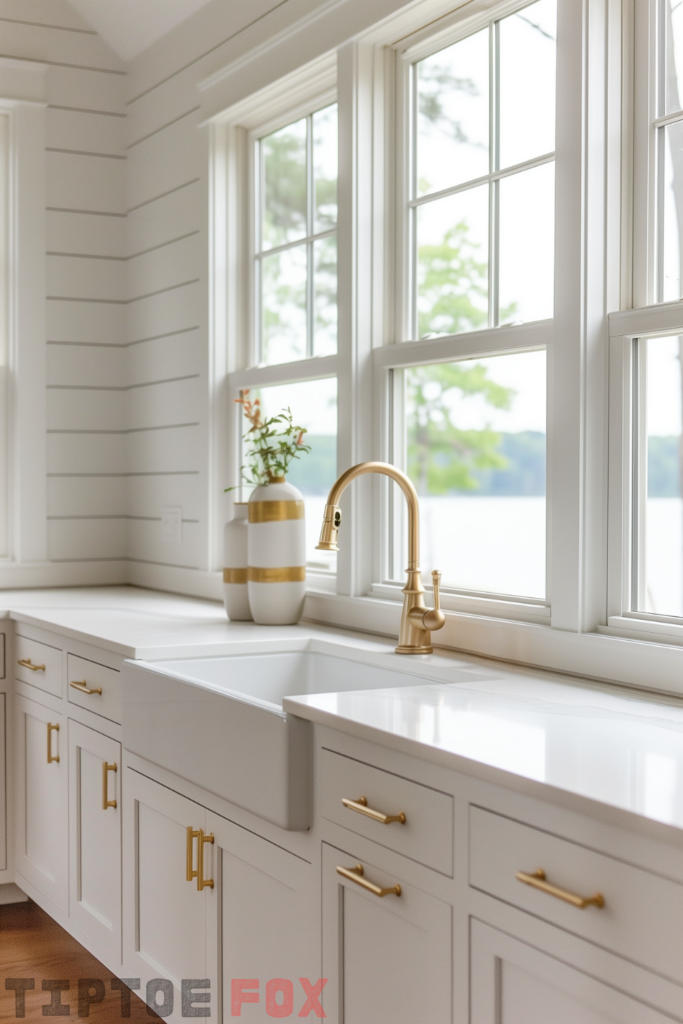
(417, 620)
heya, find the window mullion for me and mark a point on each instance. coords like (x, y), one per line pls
(310, 229)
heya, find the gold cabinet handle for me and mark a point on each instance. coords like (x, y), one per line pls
(203, 883)
(361, 806)
(355, 874)
(83, 687)
(50, 756)
(192, 834)
(27, 663)
(106, 768)
(538, 881)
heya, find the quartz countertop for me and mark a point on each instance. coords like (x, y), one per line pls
(615, 747)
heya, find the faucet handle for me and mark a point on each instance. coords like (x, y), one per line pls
(435, 618)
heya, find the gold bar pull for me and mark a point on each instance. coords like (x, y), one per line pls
(538, 881)
(106, 768)
(83, 687)
(203, 883)
(192, 834)
(26, 663)
(361, 807)
(355, 874)
(50, 756)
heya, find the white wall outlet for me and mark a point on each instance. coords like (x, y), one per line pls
(172, 523)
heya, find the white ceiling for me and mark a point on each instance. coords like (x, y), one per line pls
(130, 26)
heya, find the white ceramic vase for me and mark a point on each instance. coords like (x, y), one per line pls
(235, 562)
(277, 554)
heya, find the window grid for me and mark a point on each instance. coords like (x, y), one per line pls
(492, 179)
(309, 240)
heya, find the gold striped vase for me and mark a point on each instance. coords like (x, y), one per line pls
(277, 554)
(235, 590)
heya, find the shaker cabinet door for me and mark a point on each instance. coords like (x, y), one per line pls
(166, 916)
(95, 839)
(42, 800)
(387, 958)
(512, 983)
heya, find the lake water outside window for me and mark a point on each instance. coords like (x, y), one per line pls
(658, 505)
(314, 406)
(475, 448)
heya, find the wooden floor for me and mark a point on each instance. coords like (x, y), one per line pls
(32, 945)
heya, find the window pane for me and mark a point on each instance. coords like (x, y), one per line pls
(475, 443)
(452, 263)
(314, 406)
(658, 513)
(325, 168)
(283, 215)
(673, 15)
(453, 115)
(527, 217)
(671, 213)
(283, 305)
(325, 284)
(527, 83)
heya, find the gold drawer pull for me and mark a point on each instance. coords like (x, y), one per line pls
(106, 768)
(50, 756)
(355, 874)
(192, 834)
(27, 663)
(537, 881)
(361, 806)
(83, 687)
(203, 883)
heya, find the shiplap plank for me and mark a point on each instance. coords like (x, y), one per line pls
(88, 234)
(188, 42)
(146, 543)
(79, 539)
(170, 311)
(148, 495)
(84, 132)
(162, 404)
(36, 42)
(77, 182)
(86, 365)
(45, 12)
(170, 217)
(173, 264)
(176, 450)
(169, 101)
(179, 355)
(87, 496)
(70, 409)
(75, 277)
(76, 454)
(86, 90)
(95, 322)
(171, 158)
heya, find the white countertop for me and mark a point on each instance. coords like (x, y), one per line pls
(618, 748)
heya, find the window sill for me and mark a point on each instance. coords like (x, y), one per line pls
(471, 604)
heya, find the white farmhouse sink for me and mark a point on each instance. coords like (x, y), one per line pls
(219, 723)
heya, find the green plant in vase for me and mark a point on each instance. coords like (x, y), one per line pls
(273, 443)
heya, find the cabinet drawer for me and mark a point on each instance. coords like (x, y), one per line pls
(426, 835)
(84, 675)
(39, 665)
(642, 912)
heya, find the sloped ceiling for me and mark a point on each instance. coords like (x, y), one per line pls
(130, 26)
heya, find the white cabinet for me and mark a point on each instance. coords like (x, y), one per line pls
(95, 839)
(167, 916)
(42, 800)
(513, 983)
(386, 958)
(3, 785)
(268, 920)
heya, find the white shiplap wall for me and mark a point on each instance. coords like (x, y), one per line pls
(86, 160)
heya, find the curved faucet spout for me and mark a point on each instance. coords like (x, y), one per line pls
(416, 620)
(332, 513)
